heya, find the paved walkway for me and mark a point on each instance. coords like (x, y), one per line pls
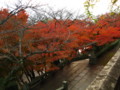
(78, 74)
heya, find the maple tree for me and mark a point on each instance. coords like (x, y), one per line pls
(108, 29)
(31, 49)
(36, 47)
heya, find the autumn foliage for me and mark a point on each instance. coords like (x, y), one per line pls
(38, 46)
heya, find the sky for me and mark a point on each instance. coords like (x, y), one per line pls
(76, 6)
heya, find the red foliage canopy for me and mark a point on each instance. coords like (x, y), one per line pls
(44, 43)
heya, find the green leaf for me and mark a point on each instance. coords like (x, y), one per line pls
(114, 1)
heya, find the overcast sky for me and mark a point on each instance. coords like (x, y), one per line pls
(74, 5)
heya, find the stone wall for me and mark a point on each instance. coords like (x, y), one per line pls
(107, 78)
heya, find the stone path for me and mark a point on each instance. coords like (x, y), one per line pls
(78, 74)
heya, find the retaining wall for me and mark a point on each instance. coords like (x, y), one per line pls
(107, 78)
